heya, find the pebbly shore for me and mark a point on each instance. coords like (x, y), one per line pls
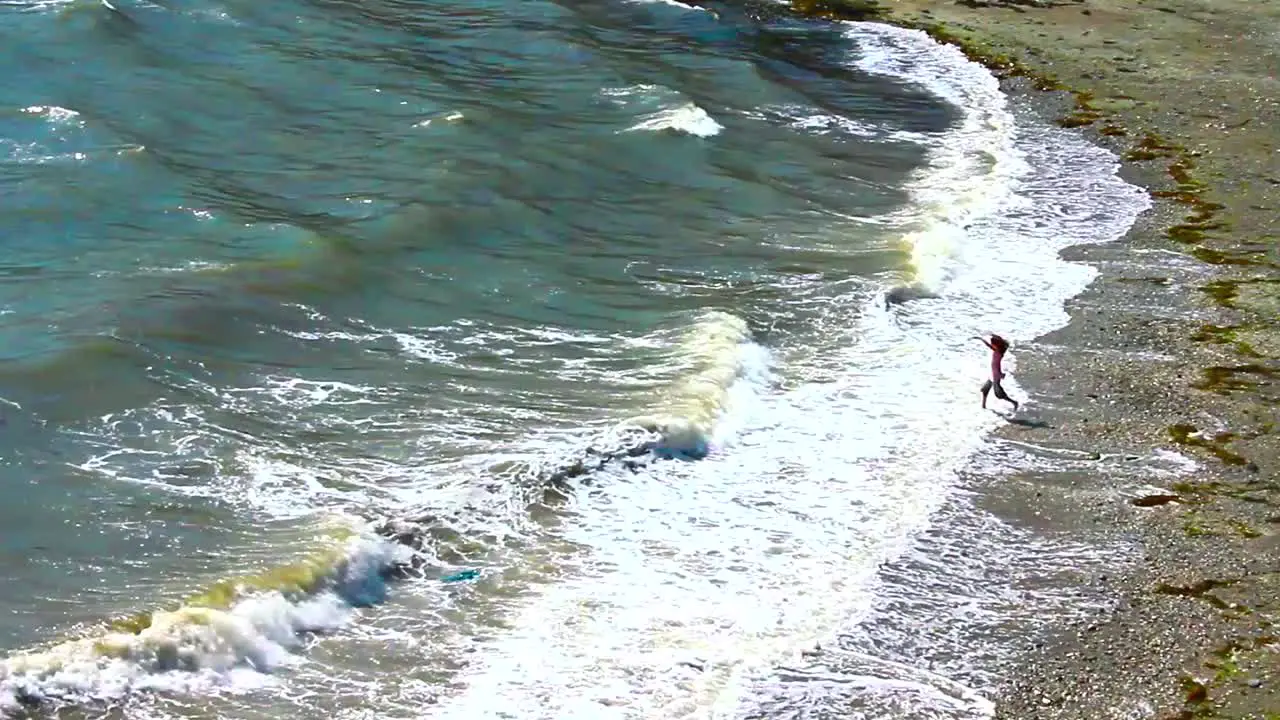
(1174, 346)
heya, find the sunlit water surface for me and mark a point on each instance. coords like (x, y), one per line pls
(275, 271)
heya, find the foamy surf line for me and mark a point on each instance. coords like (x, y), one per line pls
(716, 352)
(999, 268)
(717, 576)
(972, 168)
(235, 635)
(714, 359)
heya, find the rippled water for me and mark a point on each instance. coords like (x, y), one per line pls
(276, 271)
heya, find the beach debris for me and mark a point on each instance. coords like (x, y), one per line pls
(461, 576)
(1195, 690)
(1154, 500)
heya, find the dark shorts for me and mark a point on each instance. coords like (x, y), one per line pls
(1000, 393)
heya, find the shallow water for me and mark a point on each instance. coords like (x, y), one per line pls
(272, 271)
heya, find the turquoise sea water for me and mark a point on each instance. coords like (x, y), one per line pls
(269, 269)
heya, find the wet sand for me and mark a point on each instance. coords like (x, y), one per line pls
(1174, 346)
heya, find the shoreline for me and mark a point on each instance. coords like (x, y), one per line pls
(1170, 340)
(1173, 346)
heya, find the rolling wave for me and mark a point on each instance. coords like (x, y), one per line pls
(230, 633)
(243, 628)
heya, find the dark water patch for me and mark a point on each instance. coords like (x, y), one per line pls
(176, 332)
(810, 60)
(100, 374)
(243, 196)
(1204, 493)
(794, 59)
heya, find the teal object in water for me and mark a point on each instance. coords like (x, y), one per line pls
(461, 576)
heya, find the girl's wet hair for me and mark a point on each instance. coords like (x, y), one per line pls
(999, 343)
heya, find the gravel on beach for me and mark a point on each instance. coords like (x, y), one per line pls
(1174, 346)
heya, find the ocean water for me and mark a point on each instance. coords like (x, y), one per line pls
(592, 296)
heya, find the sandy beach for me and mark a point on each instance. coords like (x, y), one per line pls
(1174, 346)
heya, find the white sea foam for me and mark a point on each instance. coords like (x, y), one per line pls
(702, 579)
(33, 154)
(691, 583)
(662, 110)
(672, 3)
(204, 646)
(37, 5)
(803, 117)
(713, 356)
(688, 119)
(971, 167)
(52, 112)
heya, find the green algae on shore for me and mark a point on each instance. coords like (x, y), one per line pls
(1189, 190)
(1194, 691)
(1225, 335)
(1226, 291)
(854, 10)
(1226, 379)
(1230, 662)
(1202, 590)
(1150, 147)
(1157, 500)
(1188, 435)
(1219, 257)
(1197, 525)
(1210, 225)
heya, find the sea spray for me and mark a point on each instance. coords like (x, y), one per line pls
(255, 623)
(711, 355)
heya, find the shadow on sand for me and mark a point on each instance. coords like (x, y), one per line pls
(1027, 422)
